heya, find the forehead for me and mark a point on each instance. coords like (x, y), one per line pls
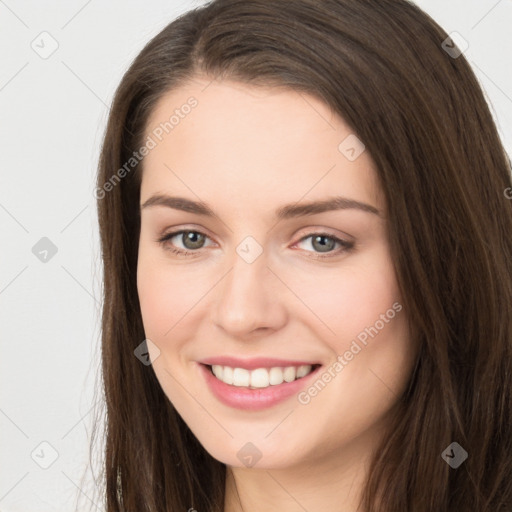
(227, 139)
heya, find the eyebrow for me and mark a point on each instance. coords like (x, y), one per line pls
(284, 212)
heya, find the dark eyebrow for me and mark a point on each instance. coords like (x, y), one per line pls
(284, 212)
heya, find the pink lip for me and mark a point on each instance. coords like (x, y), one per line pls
(252, 364)
(254, 399)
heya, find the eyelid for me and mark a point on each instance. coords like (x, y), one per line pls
(318, 230)
(168, 232)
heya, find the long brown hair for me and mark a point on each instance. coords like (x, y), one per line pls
(383, 67)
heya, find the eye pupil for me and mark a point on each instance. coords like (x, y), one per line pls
(191, 236)
(323, 247)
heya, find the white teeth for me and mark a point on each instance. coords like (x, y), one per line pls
(241, 377)
(289, 374)
(303, 370)
(276, 376)
(261, 377)
(227, 374)
(218, 371)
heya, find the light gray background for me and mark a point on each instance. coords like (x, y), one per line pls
(53, 113)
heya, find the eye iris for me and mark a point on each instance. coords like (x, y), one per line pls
(192, 236)
(323, 247)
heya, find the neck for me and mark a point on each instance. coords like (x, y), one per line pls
(331, 481)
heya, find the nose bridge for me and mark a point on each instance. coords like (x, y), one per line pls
(247, 298)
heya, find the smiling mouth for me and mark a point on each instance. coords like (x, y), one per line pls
(260, 378)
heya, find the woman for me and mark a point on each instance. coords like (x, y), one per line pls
(307, 260)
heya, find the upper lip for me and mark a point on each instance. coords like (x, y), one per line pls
(253, 363)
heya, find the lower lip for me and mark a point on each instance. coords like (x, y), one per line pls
(253, 399)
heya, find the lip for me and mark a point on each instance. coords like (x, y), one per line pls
(254, 363)
(254, 399)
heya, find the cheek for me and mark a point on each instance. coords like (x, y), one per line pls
(351, 297)
(153, 300)
(170, 296)
(160, 295)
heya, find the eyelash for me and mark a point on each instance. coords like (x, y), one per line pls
(345, 245)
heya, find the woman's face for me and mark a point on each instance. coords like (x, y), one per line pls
(267, 276)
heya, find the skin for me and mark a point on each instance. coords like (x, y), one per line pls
(246, 151)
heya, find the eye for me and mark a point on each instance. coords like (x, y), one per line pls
(325, 242)
(192, 240)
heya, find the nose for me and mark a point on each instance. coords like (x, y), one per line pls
(249, 299)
